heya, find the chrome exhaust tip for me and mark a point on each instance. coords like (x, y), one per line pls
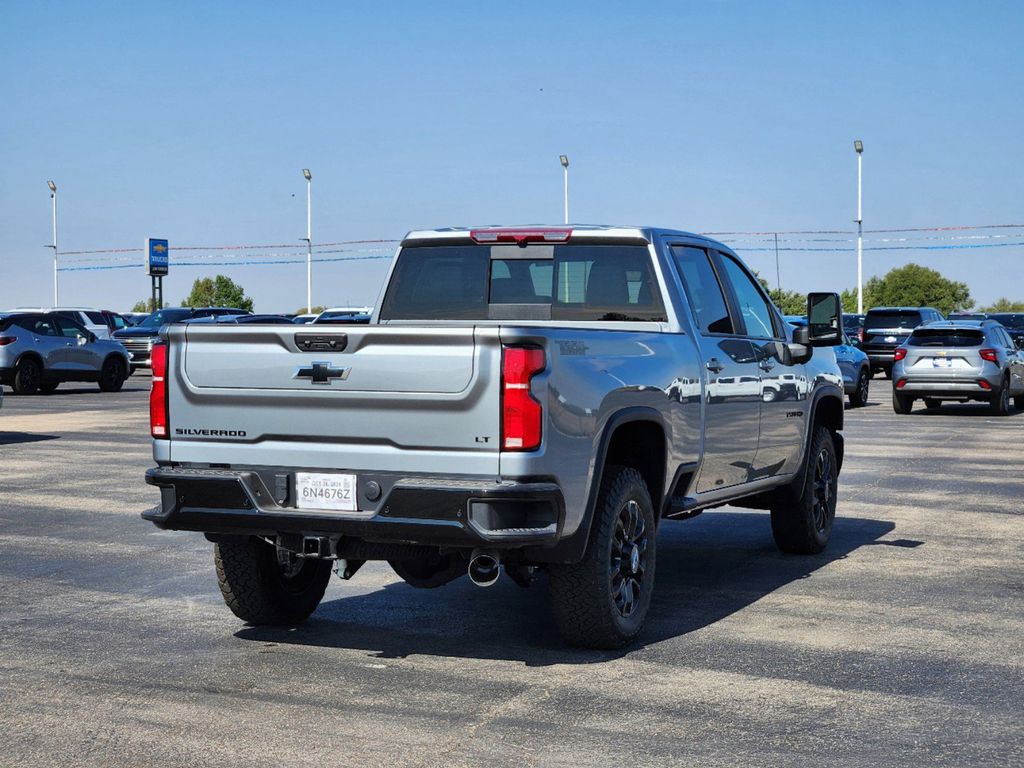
(484, 567)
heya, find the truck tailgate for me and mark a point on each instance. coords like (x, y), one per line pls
(391, 399)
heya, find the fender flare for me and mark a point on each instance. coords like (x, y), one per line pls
(572, 548)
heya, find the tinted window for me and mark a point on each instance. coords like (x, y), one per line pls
(68, 313)
(438, 283)
(605, 282)
(41, 326)
(521, 281)
(757, 316)
(1009, 320)
(96, 318)
(579, 282)
(702, 289)
(946, 337)
(897, 318)
(119, 321)
(164, 316)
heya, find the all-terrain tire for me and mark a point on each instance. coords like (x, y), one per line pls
(602, 601)
(803, 512)
(27, 377)
(259, 589)
(112, 375)
(859, 397)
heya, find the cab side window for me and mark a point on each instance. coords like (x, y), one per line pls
(754, 308)
(703, 290)
(72, 330)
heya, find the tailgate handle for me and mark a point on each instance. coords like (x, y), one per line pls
(319, 342)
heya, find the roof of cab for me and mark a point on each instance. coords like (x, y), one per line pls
(579, 231)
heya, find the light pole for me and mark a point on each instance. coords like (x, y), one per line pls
(53, 197)
(564, 159)
(858, 147)
(309, 239)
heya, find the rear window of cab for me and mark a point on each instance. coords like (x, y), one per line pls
(557, 282)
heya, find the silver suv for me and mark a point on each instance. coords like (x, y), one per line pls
(39, 351)
(959, 360)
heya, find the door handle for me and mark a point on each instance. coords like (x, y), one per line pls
(714, 365)
(767, 364)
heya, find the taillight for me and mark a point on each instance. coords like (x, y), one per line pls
(521, 236)
(520, 413)
(899, 354)
(984, 384)
(158, 394)
(990, 355)
(5, 340)
(901, 384)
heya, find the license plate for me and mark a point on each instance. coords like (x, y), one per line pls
(314, 490)
(942, 362)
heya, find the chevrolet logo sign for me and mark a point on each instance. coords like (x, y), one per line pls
(159, 247)
(321, 373)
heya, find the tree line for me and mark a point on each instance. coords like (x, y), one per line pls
(908, 286)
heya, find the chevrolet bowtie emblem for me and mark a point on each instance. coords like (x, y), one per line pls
(321, 373)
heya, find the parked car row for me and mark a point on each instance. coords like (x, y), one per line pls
(42, 348)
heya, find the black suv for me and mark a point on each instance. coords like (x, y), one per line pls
(139, 339)
(1013, 322)
(885, 328)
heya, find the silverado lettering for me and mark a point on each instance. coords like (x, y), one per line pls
(189, 432)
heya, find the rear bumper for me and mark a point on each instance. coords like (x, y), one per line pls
(432, 511)
(954, 388)
(881, 359)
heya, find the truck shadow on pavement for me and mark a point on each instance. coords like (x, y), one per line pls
(708, 569)
(90, 390)
(14, 438)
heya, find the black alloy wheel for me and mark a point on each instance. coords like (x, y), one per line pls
(111, 375)
(28, 376)
(803, 511)
(628, 558)
(825, 485)
(859, 398)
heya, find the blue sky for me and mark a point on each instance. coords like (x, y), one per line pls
(192, 121)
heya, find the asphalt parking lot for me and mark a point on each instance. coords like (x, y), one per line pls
(902, 645)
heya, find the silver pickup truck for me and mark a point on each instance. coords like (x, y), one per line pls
(523, 399)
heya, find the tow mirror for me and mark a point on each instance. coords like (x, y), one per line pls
(824, 320)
